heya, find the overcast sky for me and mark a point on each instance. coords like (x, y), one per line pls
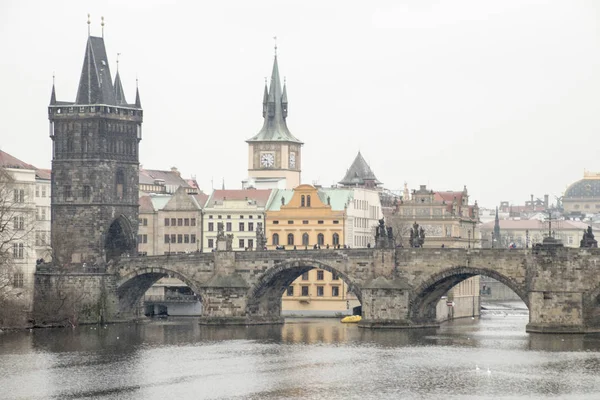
(501, 96)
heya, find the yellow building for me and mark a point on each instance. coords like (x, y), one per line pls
(302, 218)
(307, 218)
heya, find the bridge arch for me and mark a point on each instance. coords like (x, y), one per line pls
(427, 294)
(120, 238)
(132, 286)
(264, 297)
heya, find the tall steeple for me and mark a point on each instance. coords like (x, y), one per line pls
(138, 102)
(275, 112)
(53, 95)
(95, 82)
(496, 235)
(360, 174)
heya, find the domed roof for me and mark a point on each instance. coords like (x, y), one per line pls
(588, 187)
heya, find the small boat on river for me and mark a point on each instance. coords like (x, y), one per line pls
(351, 319)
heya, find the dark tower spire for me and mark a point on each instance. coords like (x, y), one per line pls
(53, 95)
(138, 102)
(284, 102)
(119, 93)
(265, 98)
(95, 82)
(496, 235)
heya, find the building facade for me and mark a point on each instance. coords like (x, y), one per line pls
(274, 154)
(24, 218)
(95, 147)
(583, 197)
(240, 213)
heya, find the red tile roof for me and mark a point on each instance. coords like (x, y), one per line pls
(260, 195)
(8, 161)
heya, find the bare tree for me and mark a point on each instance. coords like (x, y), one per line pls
(16, 227)
(400, 229)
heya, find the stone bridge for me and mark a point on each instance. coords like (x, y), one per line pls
(398, 288)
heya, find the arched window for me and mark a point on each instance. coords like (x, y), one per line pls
(120, 184)
(336, 239)
(290, 241)
(320, 239)
(305, 239)
(308, 201)
(275, 239)
(302, 204)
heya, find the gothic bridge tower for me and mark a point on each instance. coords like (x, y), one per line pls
(274, 154)
(95, 162)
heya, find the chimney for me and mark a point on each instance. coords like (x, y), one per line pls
(174, 169)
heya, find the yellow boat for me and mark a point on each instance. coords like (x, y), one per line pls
(351, 318)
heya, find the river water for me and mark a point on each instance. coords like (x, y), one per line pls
(303, 359)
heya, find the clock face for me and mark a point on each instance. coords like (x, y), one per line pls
(267, 160)
(292, 160)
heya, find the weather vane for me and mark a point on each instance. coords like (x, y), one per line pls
(275, 39)
(89, 22)
(102, 24)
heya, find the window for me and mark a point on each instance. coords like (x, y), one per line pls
(304, 290)
(211, 226)
(44, 213)
(173, 222)
(229, 217)
(67, 192)
(145, 222)
(290, 291)
(290, 239)
(87, 192)
(275, 239)
(335, 291)
(302, 201)
(336, 222)
(308, 201)
(334, 276)
(241, 226)
(305, 222)
(259, 217)
(250, 243)
(251, 226)
(186, 222)
(180, 238)
(167, 221)
(320, 291)
(173, 238)
(229, 227)
(167, 239)
(320, 275)
(193, 222)
(336, 239)
(120, 184)
(275, 222)
(186, 238)
(210, 217)
(18, 280)
(210, 243)
(18, 250)
(320, 239)
(290, 222)
(320, 222)
(37, 191)
(193, 238)
(44, 191)
(18, 223)
(305, 239)
(179, 221)
(241, 243)
(305, 276)
(218, 217)
(145, 238)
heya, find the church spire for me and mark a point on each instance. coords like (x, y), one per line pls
(95, 82)
(496, 234)
(119, 93)
(275, 107)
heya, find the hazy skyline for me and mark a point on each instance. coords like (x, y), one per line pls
(499, 96)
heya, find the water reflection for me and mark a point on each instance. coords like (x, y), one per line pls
(302, 359)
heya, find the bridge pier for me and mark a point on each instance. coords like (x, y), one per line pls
(386, 305)
(556, 312)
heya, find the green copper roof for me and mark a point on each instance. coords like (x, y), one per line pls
(275, 112)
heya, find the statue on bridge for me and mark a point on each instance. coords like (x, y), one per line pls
(417, 236)
(588, 238)
(261, 240)
(384, 236)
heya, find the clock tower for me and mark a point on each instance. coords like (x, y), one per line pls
(274, 154)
